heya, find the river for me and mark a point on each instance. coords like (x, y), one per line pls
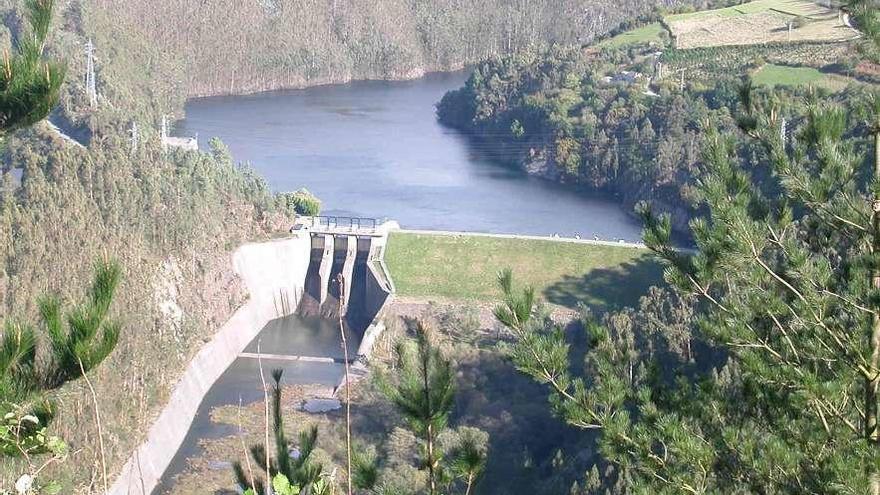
(375, 149)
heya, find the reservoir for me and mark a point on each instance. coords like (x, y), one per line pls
(375, 149)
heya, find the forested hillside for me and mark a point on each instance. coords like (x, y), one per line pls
(602, 118)
(272, 44)
(553, 114)
(170, 218)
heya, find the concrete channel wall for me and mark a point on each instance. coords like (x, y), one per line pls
(274, 273)
(378, 294)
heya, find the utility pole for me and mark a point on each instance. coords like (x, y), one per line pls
(91, 86)
(681, 87)
(134, 137)
(342, 310)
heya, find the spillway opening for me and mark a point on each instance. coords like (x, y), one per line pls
(334, 257)
(310, 305)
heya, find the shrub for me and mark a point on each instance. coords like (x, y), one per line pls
(301, 202)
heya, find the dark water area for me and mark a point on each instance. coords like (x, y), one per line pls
(375, 149)
(304, 336)
(240, 383)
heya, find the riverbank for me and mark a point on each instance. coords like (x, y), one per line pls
(565, 272)
(295, 82)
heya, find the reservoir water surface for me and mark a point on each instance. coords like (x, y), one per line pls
(375, 149)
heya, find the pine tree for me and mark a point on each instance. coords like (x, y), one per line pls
(789, 272)
(423, 391)
(469, 459)
(79, 339)
(299, 470)
(867, 18)
(29, 83)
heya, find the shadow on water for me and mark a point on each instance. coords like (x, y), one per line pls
(605, 289)
(303, 336)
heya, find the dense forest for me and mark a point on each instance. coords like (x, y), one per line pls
(273, 44)
(585, 117)
(553, 114)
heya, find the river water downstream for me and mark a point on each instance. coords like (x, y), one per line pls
(375, 149)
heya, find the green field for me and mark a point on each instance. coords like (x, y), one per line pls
(758, 22)
(791, 7)
(780, 75)
(563, 273)
(651, 33)
(772, 75)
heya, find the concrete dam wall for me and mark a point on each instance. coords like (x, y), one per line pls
(295, 275)
(365, 289)
(274, 274)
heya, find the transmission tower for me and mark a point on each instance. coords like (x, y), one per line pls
(91, 86)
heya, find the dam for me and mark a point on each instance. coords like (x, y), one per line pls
(299, 286)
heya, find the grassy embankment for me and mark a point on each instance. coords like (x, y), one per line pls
(563, 273)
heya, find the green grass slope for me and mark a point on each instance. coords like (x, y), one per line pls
(563, 273)
(653, 32)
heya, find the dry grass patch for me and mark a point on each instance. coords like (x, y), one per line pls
(762, 21)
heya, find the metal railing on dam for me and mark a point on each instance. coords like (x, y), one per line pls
(341, 225)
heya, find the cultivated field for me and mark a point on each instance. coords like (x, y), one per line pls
(761, 21)
(652, 33)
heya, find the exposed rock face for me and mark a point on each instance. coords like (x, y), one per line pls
(542, 166)
(166, 293)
